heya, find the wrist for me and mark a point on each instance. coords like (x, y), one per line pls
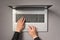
(17, 30)
(35, 37)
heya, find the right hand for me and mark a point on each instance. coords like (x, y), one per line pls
(32, 31)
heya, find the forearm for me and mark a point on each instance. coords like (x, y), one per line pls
(16, 36)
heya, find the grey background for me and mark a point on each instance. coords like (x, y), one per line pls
(53, 33)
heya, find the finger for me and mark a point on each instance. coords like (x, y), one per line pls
(20, 20)
(32, 27)
(29, 28)
(23, 20)
(35, 28)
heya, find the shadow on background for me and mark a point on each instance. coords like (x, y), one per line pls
(54, 12)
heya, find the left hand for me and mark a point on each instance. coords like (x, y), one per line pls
(20, 24)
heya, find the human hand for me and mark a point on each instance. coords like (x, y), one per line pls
(32, 31)
(20, 24)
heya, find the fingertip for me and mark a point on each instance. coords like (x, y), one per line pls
(29, 27)
(24, 19)
(20, 19)
(33, 27)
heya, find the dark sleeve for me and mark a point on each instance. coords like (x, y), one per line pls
(37, 38)
(16, 36)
